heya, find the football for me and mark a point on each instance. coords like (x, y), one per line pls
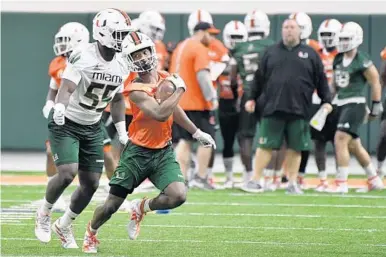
(164, 90)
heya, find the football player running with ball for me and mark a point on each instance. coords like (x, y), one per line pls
(93, 78)
(149, 152)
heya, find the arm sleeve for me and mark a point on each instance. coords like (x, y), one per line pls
(321, 82)
(53, 84)
(256, 87)
(72, 73)
(204, 80)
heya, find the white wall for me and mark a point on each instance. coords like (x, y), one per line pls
(213, 6)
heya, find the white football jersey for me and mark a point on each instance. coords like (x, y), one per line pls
(97, 83)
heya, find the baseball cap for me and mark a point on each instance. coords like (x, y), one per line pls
(207, 27)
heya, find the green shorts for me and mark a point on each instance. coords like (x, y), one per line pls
(76, 143)
(138, 163)
(351, 117)
(274, 129)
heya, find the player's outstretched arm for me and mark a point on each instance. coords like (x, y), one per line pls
(160, 112)
(180, 117)
(118, 115)
(372, 78)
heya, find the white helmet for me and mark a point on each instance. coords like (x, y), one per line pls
(234, 32)
(70, 36)
(305, 23)
(196, 17)
(350, 37)
(152, 24)
(136, 41)
(110, 27)
(328, 32)
(257, 22)
(136, 24)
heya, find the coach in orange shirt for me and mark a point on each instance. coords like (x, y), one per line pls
(191, 61)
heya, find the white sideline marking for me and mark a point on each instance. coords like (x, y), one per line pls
(370, 230)
(203, 241)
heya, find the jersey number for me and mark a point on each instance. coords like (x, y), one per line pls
(342, 78)
(250, 62)
(94, 97)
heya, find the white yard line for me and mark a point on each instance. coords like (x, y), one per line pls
(370, 230)
(262, 204)
(204, 242)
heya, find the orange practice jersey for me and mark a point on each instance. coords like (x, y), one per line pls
(383, 54)
(162, 54)
(217, 50)
(127, 82)
(143, 130)
(188, 58)
(314, 44)
(56, 68)
(224, 83)
(328, 60)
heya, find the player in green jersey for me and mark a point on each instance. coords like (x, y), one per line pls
(247, 56)
(352, 71)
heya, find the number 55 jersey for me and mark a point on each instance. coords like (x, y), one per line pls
(97, 82)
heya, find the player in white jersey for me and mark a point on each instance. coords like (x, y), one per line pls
(92, 79)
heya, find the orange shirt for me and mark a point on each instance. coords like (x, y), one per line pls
(162, 54)
(328, 60)
(383, 54)
(217, 50)
(56, 68)
(314, 44)
(188, 58)
(143, 130)
(127, 82)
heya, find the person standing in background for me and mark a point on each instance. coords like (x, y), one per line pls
(288, 74)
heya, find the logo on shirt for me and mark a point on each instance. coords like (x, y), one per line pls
(303, 55)
(250, 47)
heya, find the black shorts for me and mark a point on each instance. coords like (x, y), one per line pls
(351, 117)
(248, 121)
(202, 119)
(327, 134)
(109, 124)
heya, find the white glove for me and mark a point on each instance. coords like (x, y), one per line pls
(47, 108)
(122, 133)
(59, 110)
(376, 109)
(205, 139)
(177, 81)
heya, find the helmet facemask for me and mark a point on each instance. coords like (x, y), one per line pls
(118, 37)
(328, 39)
(62, 45)
(146, 63)
(157, 33)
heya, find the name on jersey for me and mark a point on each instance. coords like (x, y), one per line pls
(107, 77)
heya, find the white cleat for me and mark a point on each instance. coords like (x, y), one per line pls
(65, 235)
(90, 241)
(322, 187)
(294, 189)
(228, 184)
(60, 205)
(341, 188)
(42, 227)
(137, 215)
(374, 183)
